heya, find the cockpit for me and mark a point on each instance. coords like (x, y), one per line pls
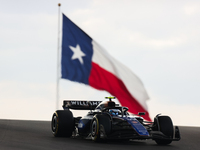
(106, 104)
(112, 108)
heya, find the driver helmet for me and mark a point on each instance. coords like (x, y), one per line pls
(114, 112)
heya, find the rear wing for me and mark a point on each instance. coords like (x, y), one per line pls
(80, 105)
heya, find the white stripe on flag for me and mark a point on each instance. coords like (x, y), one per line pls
(130, 80)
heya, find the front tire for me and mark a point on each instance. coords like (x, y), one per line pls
(62, 124)
(165, 125)
(100, 127)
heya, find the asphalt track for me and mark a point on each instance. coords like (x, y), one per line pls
(36, 135)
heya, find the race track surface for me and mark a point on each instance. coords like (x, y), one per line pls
(36, 135)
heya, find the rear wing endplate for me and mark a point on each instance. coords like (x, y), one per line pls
(80, 105)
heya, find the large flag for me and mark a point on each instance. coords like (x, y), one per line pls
(84, 60)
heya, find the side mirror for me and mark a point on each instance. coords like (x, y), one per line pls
(141, 113)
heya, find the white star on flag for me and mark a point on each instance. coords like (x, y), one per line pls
(78, 54)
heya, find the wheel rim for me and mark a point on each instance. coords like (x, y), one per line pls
(54, 123)
(94, 128)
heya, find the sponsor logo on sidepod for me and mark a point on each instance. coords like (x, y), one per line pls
(80, 124)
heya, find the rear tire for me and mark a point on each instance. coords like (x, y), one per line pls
(62, 124)
(165, 125)
(100, 127)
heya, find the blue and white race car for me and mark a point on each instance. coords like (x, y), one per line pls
(107, 120)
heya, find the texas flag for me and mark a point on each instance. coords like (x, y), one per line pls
(83, 60)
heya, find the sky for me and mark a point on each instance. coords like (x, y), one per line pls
(157, 40)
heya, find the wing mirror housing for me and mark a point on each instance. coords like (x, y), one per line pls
(141, 113)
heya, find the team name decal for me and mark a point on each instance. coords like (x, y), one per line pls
(84, 103)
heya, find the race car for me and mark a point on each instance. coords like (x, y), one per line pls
(107, 120)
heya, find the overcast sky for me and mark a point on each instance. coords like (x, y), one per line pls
(157, 40)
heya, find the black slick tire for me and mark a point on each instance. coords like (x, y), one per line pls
(62, 124)
(100, 127)
(165, 125)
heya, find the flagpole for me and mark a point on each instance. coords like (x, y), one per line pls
(58, 59)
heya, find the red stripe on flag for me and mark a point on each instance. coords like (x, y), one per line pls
(101, 79)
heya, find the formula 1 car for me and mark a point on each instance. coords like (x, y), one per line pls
(107, 120)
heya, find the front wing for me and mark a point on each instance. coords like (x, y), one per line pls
(123, 128)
